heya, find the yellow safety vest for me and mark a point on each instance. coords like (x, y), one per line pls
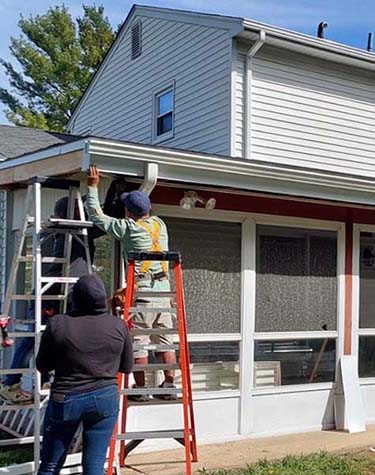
(154, 233)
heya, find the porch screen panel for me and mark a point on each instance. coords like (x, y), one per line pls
(296, 282)
(367, 281)
(211, 258)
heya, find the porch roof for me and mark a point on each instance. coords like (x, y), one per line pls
(190, 168)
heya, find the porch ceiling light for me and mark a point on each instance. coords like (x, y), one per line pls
(191, 198)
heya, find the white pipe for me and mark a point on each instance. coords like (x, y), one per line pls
(151, 177)
(248, 77)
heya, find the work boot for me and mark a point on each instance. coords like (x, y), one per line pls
(139, 397)
(16, 394)
(166, 397)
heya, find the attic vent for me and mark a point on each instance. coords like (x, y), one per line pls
(136, 39)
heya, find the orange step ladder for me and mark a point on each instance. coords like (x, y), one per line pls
(186, 435)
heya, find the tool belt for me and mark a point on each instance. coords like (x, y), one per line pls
(152, 276)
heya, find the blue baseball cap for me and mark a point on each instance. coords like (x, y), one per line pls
(137, 202)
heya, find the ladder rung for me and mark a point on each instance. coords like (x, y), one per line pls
(155, 367)
(160, 348)
(154, 331)
(149, 391)
(153, 295)
(17, 371)
(32, 297)
(25, 334)
(45, 260)
(59, 280)
(156, 434)
(153, 310)
(155, 402)
(68, 223)
(15, 407)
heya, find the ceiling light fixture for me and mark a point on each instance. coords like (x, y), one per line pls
(191, 198)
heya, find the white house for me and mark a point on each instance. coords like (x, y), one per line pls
(278, 127)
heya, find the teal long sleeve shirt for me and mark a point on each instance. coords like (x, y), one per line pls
(132, 236)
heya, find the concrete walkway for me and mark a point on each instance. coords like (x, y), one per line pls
(238, 454)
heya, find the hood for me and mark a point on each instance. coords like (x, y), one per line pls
(89, 296)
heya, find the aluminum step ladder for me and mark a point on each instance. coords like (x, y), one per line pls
(23, 422)
(186, 435)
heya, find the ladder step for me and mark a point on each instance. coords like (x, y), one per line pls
(68, 223)
(59, 280)
(153, 310)
(149, 391)
(151, 347)
(155, 367)
(157, 434)
(153, 331)
(17, 371)
(32, 297)
(153, 295)
(15, 407)
(45, 260)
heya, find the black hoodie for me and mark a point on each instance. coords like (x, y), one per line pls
(87, 348)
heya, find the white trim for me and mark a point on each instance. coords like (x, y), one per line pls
(47, 153)
(296, 388)
(356, 287)
(367, 381)
(265, 336)
(327, 49)
(366, 332)
(239, 217)
(340, 322)
(248, 280)
(233, 94)
(203, 337)
(219, 394)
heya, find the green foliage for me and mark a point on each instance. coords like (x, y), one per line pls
(56, 57)
(316, 464)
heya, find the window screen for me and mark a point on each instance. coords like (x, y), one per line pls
(296, 283)
(211, 259)
(367, 281)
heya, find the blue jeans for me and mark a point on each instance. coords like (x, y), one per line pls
(23, 352)
(97, 411)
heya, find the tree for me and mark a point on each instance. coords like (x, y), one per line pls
(57, 57)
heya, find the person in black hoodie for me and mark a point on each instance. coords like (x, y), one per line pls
(86, 349)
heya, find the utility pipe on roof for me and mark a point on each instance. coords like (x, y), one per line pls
(253, 50)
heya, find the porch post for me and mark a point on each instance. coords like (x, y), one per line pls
(348, 288)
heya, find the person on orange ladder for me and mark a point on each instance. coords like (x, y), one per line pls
(140, 232)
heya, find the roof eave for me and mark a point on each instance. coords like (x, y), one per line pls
(310, 45)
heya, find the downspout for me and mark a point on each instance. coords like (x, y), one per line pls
(248, 80)
(150, 178)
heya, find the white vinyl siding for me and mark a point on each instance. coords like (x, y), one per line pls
(197, 58)
(311, 113)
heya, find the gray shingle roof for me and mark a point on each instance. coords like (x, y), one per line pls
(16, 141)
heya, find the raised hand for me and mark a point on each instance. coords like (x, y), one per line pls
(93, 177)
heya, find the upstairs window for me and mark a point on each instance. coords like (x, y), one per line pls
(164, 114)
(136, 40)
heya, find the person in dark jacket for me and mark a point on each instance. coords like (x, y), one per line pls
(86, 349)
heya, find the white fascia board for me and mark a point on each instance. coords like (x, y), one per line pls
(195, 168)
(324, 48)
(47, 153)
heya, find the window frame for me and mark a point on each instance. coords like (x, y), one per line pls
(247, 392)
(357, 332)
(168, 87)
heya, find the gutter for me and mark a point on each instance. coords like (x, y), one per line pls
(248, 83)
(324, 48)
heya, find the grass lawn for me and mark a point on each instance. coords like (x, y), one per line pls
(316, 464)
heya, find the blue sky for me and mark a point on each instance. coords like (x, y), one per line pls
(349, 21)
